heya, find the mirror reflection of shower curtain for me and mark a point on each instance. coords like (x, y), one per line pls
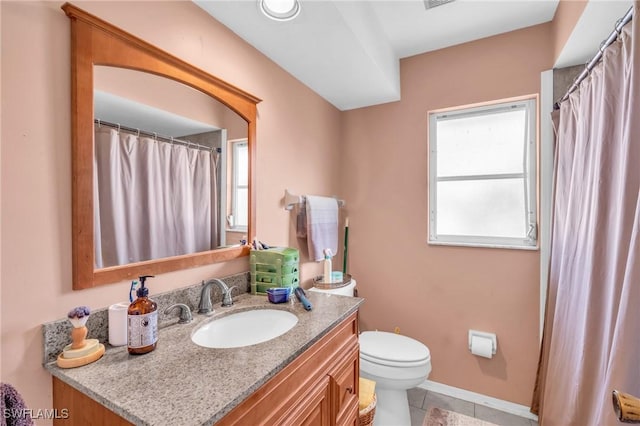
(152, 199)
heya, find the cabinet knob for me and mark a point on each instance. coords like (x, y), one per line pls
(350, 389)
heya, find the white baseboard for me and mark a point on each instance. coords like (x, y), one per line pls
(477, 398)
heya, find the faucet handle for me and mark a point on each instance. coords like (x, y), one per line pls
(185, 312)
(227, 297)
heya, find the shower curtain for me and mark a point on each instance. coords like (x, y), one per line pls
(591, 343)
(152, 199)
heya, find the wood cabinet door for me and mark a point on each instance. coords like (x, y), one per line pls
(344, 384)
(314, 409)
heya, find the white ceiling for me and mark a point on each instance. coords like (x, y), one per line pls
(135, 115)
(348, 51)
(595, 25)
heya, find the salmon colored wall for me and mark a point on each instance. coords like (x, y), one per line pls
(564, 21)
(297, 137)
(375, 158)
(437, 293)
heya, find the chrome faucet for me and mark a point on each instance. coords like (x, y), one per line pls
(205, 296)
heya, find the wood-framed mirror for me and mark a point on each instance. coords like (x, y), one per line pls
(95, 42)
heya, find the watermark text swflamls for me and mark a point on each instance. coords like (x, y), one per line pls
(36, 414)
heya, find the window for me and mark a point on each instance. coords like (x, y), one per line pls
(482, 175)
(239, 217)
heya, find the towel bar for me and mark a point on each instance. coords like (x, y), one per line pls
(290, 200)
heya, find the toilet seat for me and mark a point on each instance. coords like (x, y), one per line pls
(394, 350)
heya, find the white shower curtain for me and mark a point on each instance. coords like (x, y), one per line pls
(152, 199)
(591, 343)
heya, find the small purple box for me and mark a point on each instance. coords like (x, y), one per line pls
(278, 294)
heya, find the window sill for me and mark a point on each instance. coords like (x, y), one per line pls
(236, 230)
(486, 245)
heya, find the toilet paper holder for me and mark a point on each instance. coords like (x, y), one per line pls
(492, 336)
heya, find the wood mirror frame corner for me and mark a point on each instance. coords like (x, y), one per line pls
(96, 42)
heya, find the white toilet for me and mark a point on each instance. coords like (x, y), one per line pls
(395, 362)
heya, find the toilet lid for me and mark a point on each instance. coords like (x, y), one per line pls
(392, 349)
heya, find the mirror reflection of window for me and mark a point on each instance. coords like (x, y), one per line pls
(239, 185)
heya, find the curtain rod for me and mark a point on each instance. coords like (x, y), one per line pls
(155, 135)
(592, 63)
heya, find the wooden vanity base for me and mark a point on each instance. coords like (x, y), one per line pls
(318, 388)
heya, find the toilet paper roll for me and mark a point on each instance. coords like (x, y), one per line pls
(482, 346)
(118, 324)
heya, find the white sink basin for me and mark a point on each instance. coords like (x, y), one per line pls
(244, 328)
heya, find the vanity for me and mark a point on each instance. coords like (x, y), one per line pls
(309, 375)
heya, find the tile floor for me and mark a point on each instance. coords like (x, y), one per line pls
(420, 400)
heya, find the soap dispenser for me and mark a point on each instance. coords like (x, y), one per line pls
(327, 266)
(142, 321)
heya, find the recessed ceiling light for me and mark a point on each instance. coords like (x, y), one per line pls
(280, 10)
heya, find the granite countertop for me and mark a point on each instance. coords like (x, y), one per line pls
(182, 383)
